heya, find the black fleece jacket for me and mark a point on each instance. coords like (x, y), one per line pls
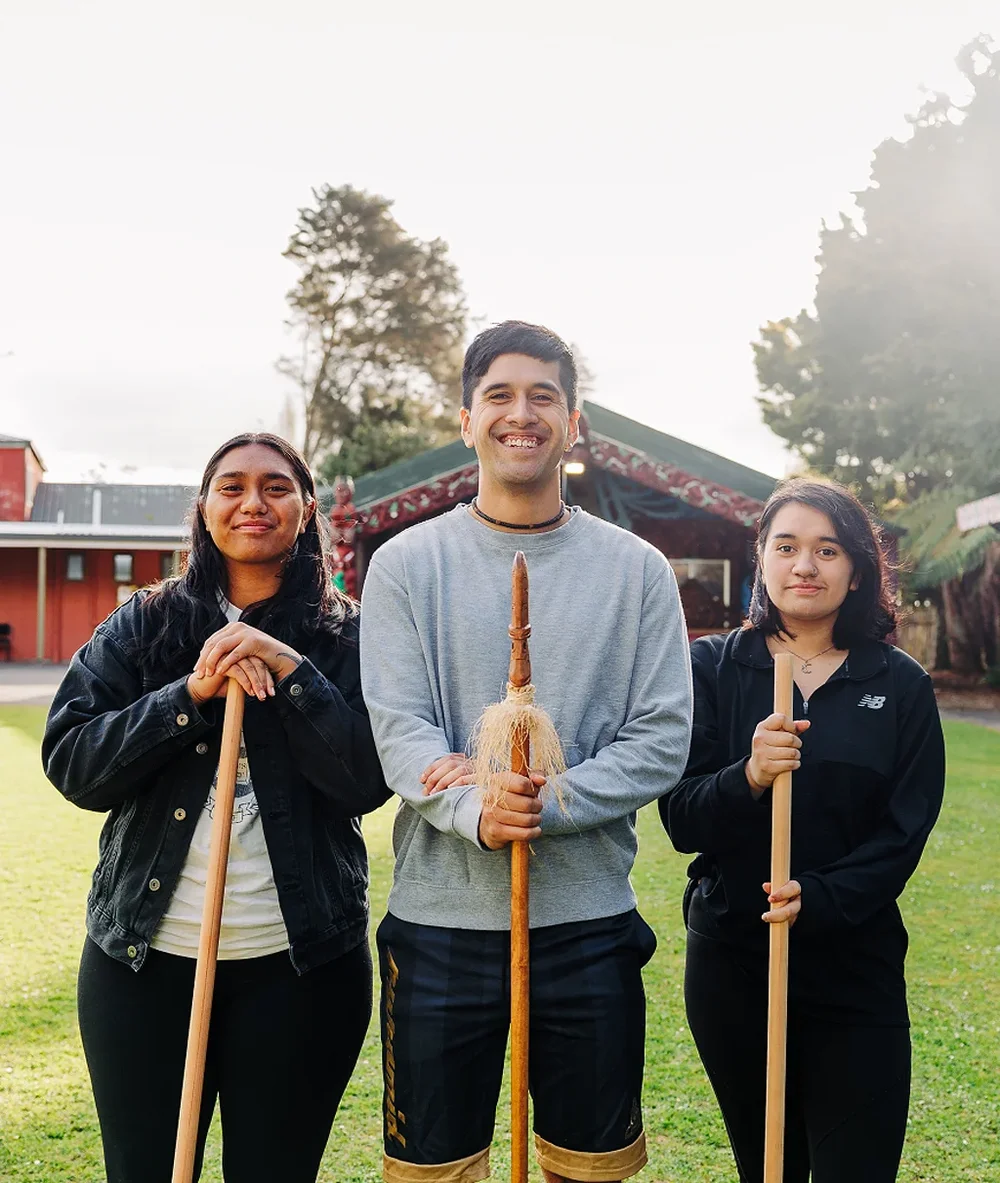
(863, 803)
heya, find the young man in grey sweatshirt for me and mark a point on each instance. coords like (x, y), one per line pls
(610, 664)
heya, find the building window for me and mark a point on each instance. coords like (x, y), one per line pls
(123, 568)
(74, 568)
(705, 592)
(166, 564)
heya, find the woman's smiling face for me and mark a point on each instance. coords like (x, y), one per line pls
(254, 508)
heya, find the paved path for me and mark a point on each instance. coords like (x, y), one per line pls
(27, 684)
(983, 718)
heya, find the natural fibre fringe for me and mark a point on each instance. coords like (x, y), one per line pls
(493, 739)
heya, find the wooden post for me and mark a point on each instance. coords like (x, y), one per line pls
(208, 945)
(519, 675)
(40, 605)
(777, 982)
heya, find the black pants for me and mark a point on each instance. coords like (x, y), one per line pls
(848, 1087)
(281, 1051)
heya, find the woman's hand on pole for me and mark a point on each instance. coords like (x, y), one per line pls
(514, 818)
(775, 749)
(786, 903)
(251, 673)
(237, 642)
(447, 772)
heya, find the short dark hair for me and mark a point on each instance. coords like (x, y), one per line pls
(867, 613)
(517, 336)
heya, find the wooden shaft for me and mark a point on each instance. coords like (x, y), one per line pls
(208, 945)
(519, 675)
(777, 980)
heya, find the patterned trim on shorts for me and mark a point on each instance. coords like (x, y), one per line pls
(592, 1168)
(463, 1170)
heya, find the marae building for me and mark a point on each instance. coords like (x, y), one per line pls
(69, 553)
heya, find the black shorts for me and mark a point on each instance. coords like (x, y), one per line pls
(445, 1018)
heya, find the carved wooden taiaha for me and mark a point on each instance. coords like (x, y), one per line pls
(519, 676)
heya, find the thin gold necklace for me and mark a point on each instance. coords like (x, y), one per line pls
(806, 661)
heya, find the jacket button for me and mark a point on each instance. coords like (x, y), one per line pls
(295, 690)
(182, 720)
(180, 814)
(201, 749)
(154, 885)
(132, 951)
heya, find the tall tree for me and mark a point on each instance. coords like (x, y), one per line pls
(892, 381)
(382, 320)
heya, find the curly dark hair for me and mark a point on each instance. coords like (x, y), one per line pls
(306, 604)
(867, 613)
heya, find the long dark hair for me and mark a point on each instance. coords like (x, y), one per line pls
(868, 612)
(306, 604)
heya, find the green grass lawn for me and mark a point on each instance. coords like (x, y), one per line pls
(48, 1128)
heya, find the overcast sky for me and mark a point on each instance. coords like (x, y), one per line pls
(647, 179)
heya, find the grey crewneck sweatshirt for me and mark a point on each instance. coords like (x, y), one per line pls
(610, 663)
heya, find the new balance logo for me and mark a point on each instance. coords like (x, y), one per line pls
(874, 702)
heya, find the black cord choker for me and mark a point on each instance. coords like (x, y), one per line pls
(517, 525)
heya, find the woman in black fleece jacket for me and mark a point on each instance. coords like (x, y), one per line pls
(868, 761)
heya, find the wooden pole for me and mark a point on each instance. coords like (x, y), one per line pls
(208, 945)
(40, 583)
(777, 982)
(519, 675)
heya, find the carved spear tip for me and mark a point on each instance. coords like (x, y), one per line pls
(520, 569)
(519, 591)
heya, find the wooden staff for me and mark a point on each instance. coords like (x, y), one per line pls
(519, 675)
(208, 945)
(777, 981)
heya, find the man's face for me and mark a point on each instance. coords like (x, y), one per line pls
(520, 423)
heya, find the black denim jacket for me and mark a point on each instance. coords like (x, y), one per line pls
(120, 741)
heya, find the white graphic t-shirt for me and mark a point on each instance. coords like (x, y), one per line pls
(252, 925)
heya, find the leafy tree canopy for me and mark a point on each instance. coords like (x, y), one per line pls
(382, 321)
(892, 382)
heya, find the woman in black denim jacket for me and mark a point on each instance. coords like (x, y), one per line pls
(135, 731)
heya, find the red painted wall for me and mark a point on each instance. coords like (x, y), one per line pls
(17, 599)
(12, 491)
(73, 609)
(34, 475)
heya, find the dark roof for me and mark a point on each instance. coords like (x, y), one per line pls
(408, 474)
(121, 505)
(698, 462)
